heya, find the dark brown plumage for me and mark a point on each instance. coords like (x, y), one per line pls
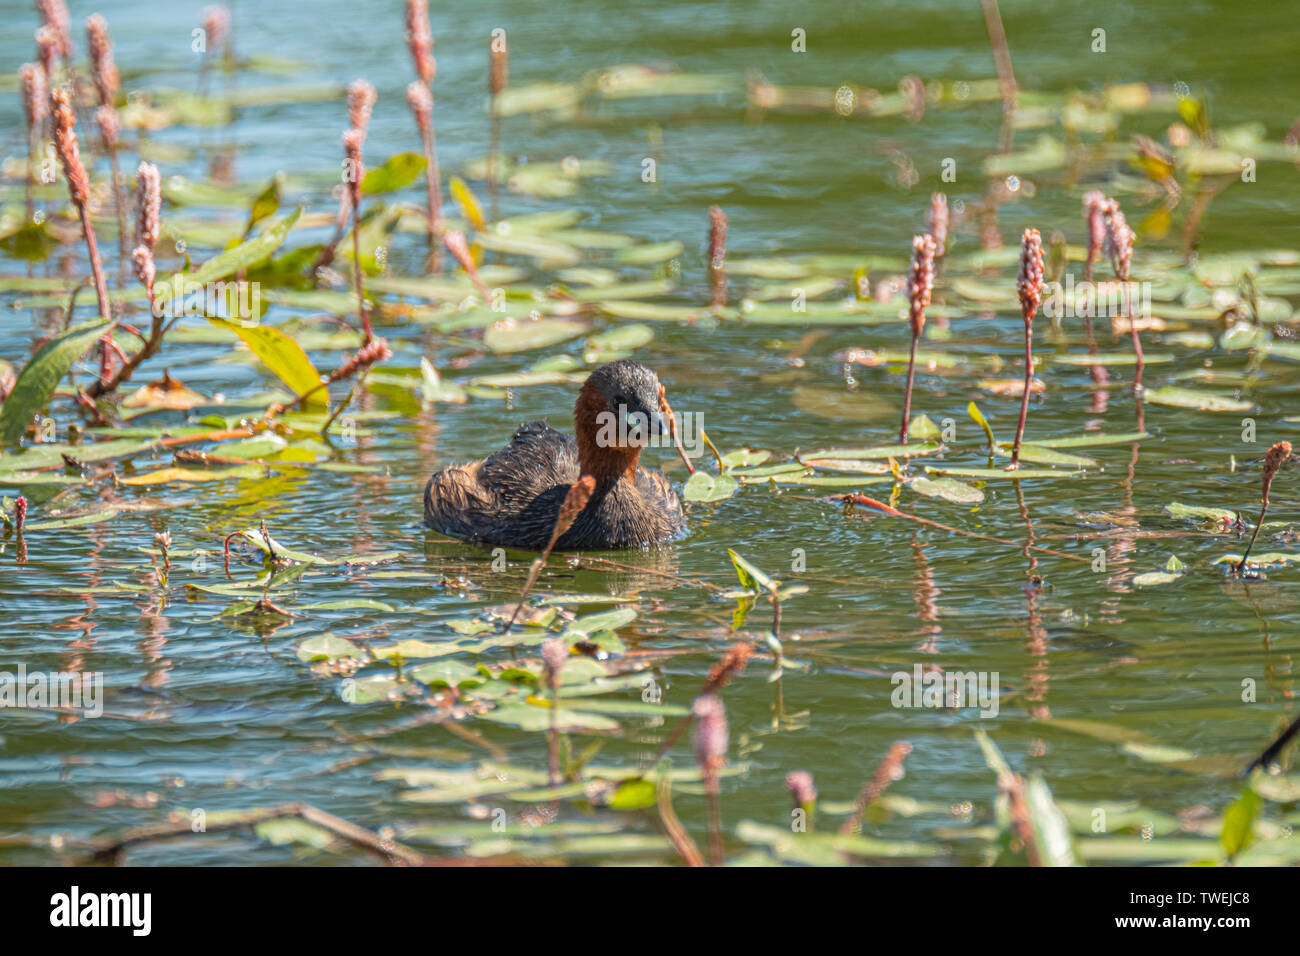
(513, 497)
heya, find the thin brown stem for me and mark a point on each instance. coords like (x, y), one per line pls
(1024, 397)
(907, 390)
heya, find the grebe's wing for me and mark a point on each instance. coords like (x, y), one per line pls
(484, 500)
(537, 459)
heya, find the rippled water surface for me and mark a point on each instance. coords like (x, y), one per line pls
(1117, 694)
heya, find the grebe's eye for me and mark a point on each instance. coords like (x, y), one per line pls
(620, 400)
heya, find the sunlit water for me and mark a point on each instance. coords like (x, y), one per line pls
(224, 714)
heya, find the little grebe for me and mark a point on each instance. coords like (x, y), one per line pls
(513, 497)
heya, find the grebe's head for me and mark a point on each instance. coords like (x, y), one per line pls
(622, 400)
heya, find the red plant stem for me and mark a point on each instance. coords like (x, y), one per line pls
(1137, 338)
(907, 392)
(433, 183)
(101, 291)
(106, 384)
(356, 261)
(1001, 53)
(1024, 398)
(716, 852)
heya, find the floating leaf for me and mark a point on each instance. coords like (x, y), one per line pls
(996, 474)
(1201, 401)
(706, 487)
(1039, 455)
(876, 451)
(947, 488)
(1219, 515)
(530, 717)
(164, 475)
(651, 253)
(447, 674)
(327, 647)
(509, 335)
(744, 458)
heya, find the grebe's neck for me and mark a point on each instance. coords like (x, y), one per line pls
(603, 461)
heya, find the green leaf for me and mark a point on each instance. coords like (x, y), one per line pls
(877, 451)
(397, 171)
(468, 202)
(1238, 820)
(283, 356)
(705, 487)
(510, 335)
(973, 411)
(327, 647)
(634, 794)
(1201, 401)
(751, 576)
(31, 243)
(1177, 509)
(996, 474)
(266, 203)
(949, 489)
(246, 254)
(42, 373)
(1051, 832)
(447, 674)
(1040, 455)
(922, 427)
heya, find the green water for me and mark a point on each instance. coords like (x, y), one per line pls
(219, 714)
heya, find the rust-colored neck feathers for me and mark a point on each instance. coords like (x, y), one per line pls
(605, 464)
